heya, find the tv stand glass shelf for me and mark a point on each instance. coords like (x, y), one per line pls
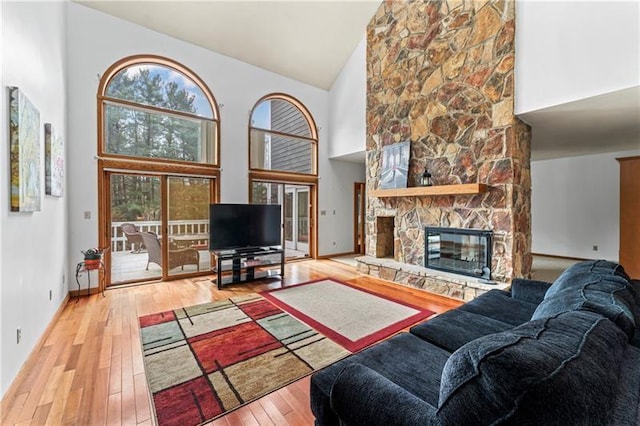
(248, 264)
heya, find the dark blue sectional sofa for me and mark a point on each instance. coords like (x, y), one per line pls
(562, 353)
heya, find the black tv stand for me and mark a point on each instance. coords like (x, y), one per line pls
(248, 264)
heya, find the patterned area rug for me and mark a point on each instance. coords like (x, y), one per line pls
(204, 360)
(351, 316)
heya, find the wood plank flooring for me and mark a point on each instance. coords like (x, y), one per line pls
(88, 367)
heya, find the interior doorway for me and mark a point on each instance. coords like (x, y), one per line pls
(629, 255)
(359, 199)
(296, 219)
(297, 213)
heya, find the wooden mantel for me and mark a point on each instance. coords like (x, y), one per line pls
(418, 191)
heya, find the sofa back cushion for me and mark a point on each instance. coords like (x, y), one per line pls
(597, 286)
(561, 370)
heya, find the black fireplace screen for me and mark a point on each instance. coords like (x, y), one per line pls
(461, 251)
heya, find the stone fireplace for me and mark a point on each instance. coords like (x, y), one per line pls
(440, 75)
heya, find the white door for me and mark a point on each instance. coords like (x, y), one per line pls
(296, 220)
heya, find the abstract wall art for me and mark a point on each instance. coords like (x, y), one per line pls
(395, 166)
(25, 148)
(53, 162)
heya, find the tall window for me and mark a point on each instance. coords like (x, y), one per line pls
(283, 136)
(283, 152)
(158, 169)
(157, 109)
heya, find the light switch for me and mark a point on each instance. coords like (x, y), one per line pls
(87, 215)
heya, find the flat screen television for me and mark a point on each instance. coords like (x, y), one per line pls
(238, 226)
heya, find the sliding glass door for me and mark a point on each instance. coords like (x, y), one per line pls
(296, 212)
(158, 226)
(296, 220)
(135, 209)
(188, 213)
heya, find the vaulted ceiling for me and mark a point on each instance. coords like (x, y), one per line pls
(309, 41)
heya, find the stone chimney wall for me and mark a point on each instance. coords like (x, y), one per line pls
(441, 75)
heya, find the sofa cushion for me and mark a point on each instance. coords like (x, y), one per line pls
(405, 359)
(456, 327)
(499, 305)
(626, 410)
(532, 291)
(361, 396)
(635, 340)
(600, 266)
(558, 370)
(596, 286)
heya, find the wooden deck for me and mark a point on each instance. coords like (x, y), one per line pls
(127, 266)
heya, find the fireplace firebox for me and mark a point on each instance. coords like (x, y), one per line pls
(460, 251)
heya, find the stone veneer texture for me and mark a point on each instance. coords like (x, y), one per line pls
(441, 74)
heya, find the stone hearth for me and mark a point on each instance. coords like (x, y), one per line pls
(440, 75)
(452, 285)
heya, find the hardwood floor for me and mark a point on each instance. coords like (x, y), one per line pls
(88, 368)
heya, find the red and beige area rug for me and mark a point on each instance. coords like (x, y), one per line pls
(353, 317)
(205, 360)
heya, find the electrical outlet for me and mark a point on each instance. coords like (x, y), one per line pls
(50, 294)
(595, 248)
(19, 334)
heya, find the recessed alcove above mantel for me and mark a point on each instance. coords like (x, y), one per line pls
(417, 191)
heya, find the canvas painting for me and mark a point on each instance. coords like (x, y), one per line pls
(53, 162)
(395, 166)
(24, 124)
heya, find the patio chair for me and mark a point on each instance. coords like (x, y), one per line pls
(132, 234)
(178, 257)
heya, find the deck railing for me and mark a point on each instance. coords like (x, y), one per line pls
(176, 227)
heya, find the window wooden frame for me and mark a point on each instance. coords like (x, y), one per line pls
(313, 199)
(112, 163)
(104, 216)
(312, 129)
(103, 99)
(293, 178)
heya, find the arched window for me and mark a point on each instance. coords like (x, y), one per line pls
(282, 136)
(283, 153)
(157, 109)
(158, 169)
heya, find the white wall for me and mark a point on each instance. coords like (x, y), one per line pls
(3, 182)
(347, 112)
(33, 251)
(575, 205)
(347, 139)
(337, 204)
(570, 50)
